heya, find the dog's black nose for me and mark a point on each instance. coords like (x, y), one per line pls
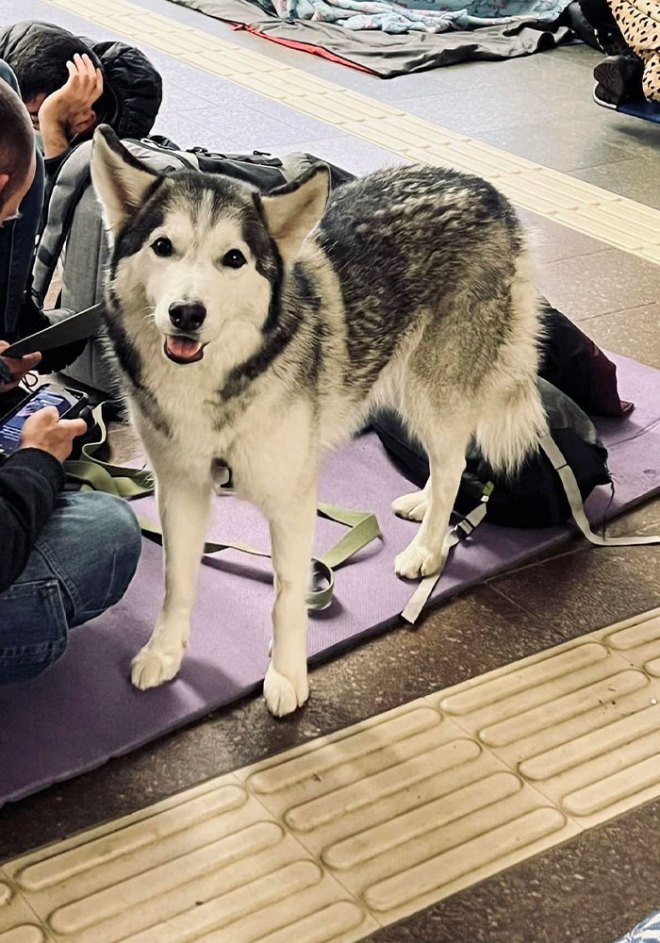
(187, 315)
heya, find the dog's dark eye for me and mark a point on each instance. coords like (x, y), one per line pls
(163, 247)
(234, 259)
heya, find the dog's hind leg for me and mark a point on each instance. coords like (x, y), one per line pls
(292, 525)
(184, 510)
(445, 435)
(413, 506)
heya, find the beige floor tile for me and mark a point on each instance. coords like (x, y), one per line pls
(370, 824)
(580, 723)
(638, 641)
(407, 810)
(18, 924)
(210, 865)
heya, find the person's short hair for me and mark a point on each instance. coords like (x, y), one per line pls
(39, 59)
(16, 140)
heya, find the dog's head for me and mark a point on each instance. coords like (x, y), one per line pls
(206, 253)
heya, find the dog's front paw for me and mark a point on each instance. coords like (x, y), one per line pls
(411, 506)
(417, 561)
(283, 696)
(152, 667)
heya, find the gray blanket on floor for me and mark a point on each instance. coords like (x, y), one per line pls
(387, 55)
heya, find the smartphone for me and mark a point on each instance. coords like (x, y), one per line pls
(70, 404)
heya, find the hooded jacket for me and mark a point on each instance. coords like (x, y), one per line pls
(133, 88)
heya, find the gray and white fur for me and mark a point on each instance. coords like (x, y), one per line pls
(262, 329)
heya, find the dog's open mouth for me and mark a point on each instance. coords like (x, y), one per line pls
(183, 349)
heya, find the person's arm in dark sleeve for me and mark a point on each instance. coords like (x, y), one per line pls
(30, 480)
(52, 166)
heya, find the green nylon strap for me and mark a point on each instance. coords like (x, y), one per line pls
(363, 529)
(97, 478)
(92, 472)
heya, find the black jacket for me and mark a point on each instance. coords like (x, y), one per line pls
(30, 481)
(133, 88)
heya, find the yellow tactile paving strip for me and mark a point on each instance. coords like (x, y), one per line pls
(599, 213)
(328, 842)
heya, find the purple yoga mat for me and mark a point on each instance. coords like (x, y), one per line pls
(84, 710)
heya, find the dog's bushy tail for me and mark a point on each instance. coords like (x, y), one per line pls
(513, 420)
(511, 427)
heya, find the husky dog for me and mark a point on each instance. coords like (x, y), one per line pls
(259, 330)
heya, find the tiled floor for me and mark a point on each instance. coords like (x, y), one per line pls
(359, 830)
(595, 886)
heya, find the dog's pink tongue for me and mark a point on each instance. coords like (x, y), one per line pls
(183, 348)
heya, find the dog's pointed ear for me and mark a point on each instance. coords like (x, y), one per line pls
(121, 181)
(292, 211)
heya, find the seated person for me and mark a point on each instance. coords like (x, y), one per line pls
(70, 84)
(639, 28)
(64, 557)
(19, 315)
(630, 75)
(18, 233)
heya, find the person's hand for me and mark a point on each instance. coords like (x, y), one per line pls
(46, 431)
(72, 103)
(17, 368)
(68, 111)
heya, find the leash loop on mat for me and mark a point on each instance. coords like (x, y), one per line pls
(91, 472)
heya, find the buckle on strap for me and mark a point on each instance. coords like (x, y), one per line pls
(469, 523)
(464, 528)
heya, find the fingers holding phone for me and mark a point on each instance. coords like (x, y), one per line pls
(46, 431)
(49, 419)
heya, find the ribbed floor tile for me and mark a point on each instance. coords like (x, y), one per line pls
(407, 809)
(210, 865)
(651, 254)
(580, 723)
(638, 641)
(17, 922)
(329, 841)
(599, 213)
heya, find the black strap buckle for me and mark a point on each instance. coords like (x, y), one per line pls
(466, 525)
(464, 528)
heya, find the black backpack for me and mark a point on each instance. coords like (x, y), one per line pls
(576, 380)
(551, 487)
(535, 497)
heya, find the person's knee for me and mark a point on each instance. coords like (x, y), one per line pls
(106, 536)
(122, 540)
(128, 538)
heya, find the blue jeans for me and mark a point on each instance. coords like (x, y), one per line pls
(17, 241)
(81, 565)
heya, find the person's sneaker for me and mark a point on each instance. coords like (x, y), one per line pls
(619, 80)
(601, 97)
